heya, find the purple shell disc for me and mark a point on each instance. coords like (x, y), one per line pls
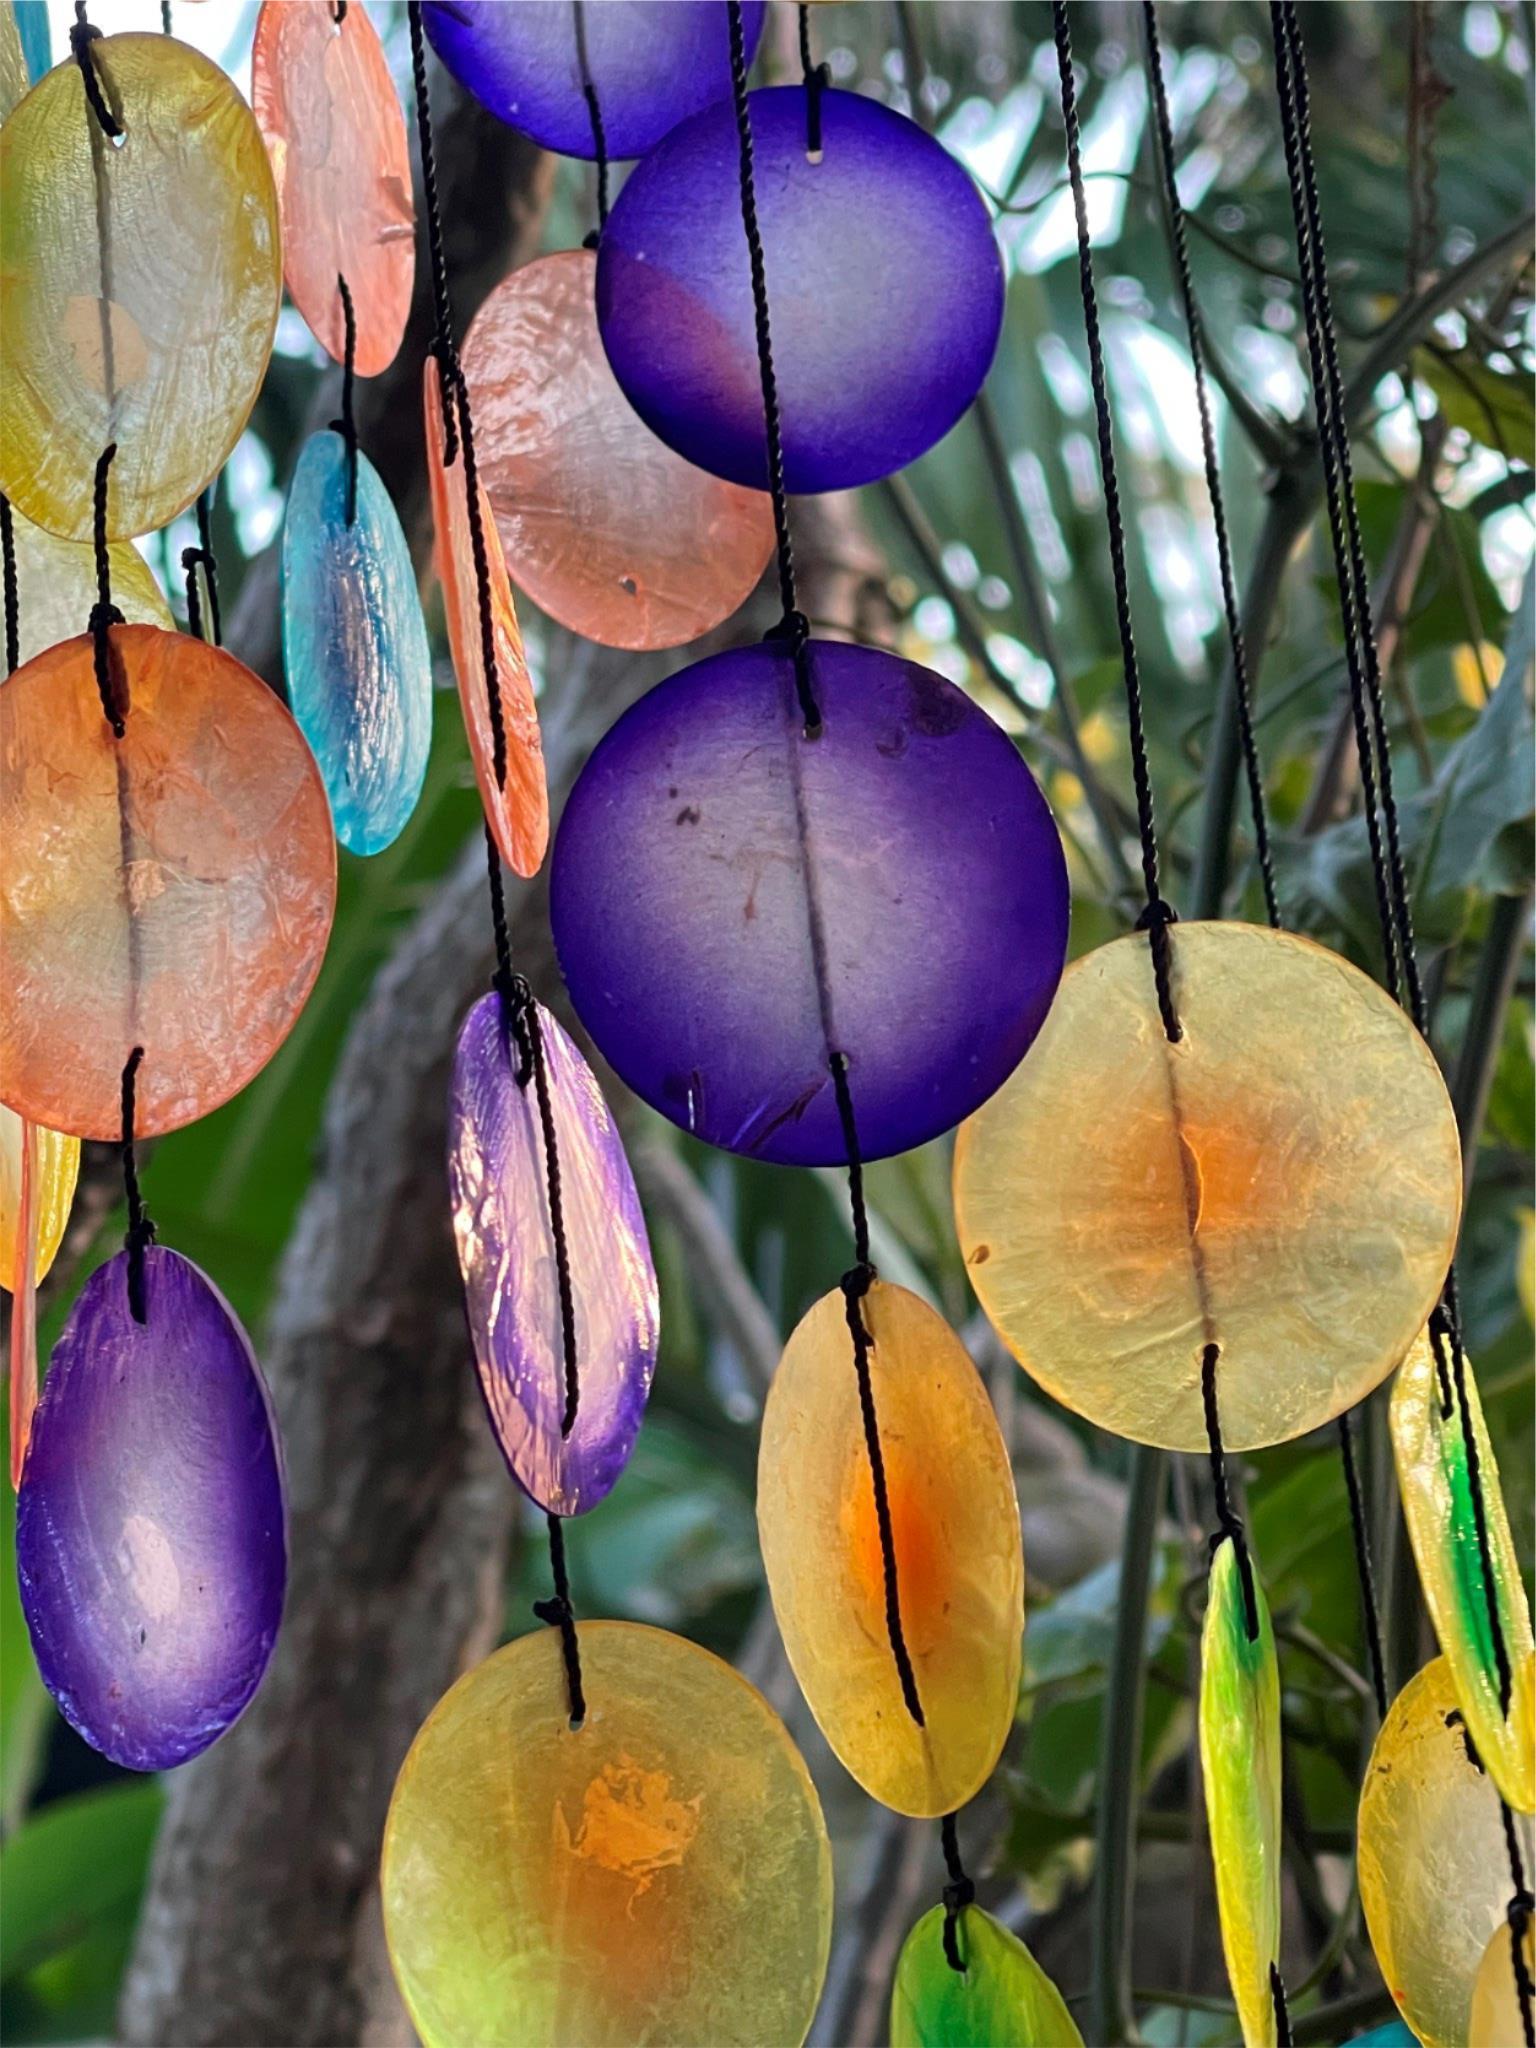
(707, 837)
(501, 1222)
(151, 1539)
(652, 63)
(885, 291)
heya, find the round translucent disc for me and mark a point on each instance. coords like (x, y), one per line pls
(885, 291)
(13, 61)
(57, 1168)
(959, 1561)
(139, 286)
(355, 646)
(650, 63)
(1497, 2021)
(335, 132)
(56, 587)
(893, 890)
(659, 1875)
(498, 1181)
(1284, 1182)
(1434, 1872)
(516, 800)
(150, 1543)
(1001, 1998)
(193, 907)
(603, 526)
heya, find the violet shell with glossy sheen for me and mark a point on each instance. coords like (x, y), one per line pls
(499, 1190)
(703, 831)
(652, 63)
(151, 1544)
(885, 291)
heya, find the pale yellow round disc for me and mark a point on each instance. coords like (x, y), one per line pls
(1496, 2017)
(955, 1528)
(1434, 1871)
(660, 1875)
(1284, 1182)
(56, 587)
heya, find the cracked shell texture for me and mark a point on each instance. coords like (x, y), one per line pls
(150, 1540)
(893, 890)
(192, 910)
(1001, 1999)
(959, 1559)
(516, 803)
(884, 279)
(156, 335)
(1284, 1182)
(56, 587)
(335, 134)
(652, 63)
(355, 646)
(660, 1875)
(603, 526)
(499, 1189)
(56, 1167)
(1435, 1482)
(1496, 2016)
(1434, 1873)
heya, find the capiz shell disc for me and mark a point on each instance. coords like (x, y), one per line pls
(150, 1539)
(56, 587)
(604, 527)
(192, 911)
(659, 1875)
(335, 133)
(1434, 1477)
(1497, 2020)
(154, 334)
(892, 889)
(355, 646)
(959, 1560)
(650, 64)
(1283, 1182)
(57, 1166)
(885, 290)
(1001, 1998)
(498, 1178)
(1434, 1870)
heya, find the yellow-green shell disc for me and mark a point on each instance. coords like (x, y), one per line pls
(659, 1875)
(1496, 2016)
(57, 1168)
(1433, 1476)
(1001, 1999)
(56, 587)
(1285, 1182)
(1240, 1760)
(959, 1560)
(13, 62)
(1434, 1870)
(139, 285)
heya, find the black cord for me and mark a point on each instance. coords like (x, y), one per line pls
(346, 426)
(12, 589)
(1229, 1523)
(523, 1018)
(104, 613)
(815, 78)
(1283, 2037)
(81, 36)
(559, 1613)
(209, 566)
(1157, 916)
(959, 1892)
(165, 17)
(595, 114)
(141, 1231)
(443, 343)
(1363, 1565)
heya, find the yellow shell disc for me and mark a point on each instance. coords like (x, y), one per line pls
(139, 285)
(13, 62)
(1434, 1871)
(959, 1560)
(1433, 1475)
(1496, 2017)
(57, 1168)
(1284, 1182)
(56, 587)
(659, 1875)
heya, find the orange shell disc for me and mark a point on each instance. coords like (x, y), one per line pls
(604, 526)
(172, 889)
(518, 804)
(335, 133)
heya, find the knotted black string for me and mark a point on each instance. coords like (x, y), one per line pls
(141, 1230)
(81, 36)
(346, 426)
(104, 613)
(442, 342)
(558, 1613)
(595, 114)
(815, 78)
(1229, 1523)
(12, 590)
(958, 1893)
(527, 1030)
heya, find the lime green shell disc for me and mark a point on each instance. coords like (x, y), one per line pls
(1240, 1756)
(1001, 1999)
(1431, 1452)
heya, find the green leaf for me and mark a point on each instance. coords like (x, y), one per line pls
(1493, 406)
(74, 1867)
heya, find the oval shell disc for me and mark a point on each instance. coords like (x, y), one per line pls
(192, 913)
(1497, 2021)
(604, 527)
(1434, 1872)
(150, 1541)
(56, 587)
(659, 1875)
(162, 346)
(1433, 1476)
(885, 283)
(651, 64)
(959, 1560)
(892, 889)
(1001, 1997)
(335, 133)
(1284, 1182)
(499, 1185)
(58, 1168)
(516, 804)
(355, 646)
